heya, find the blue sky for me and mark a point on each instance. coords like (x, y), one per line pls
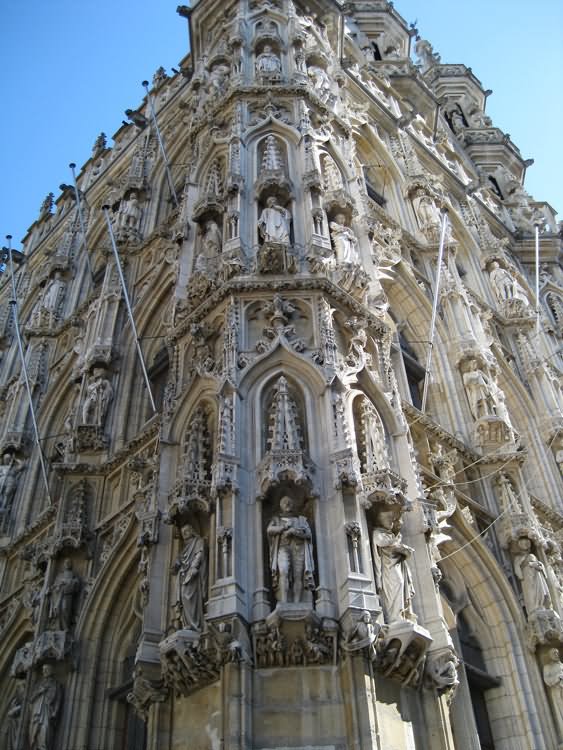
(70, 69)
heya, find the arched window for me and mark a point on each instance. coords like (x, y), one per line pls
(478, 680)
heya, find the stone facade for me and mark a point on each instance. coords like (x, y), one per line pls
(288, 553)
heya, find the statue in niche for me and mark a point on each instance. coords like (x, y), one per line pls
(53, 292)
(392, 574)
(427, 212)
(357, 356)
(274, 222)
(268, 63)
(99, 394)
(344, 240)
(555, 571)
(211, 245)
(218, 78)
(501, 411)
(129, 212)
(62, 596)
(14, 717)
(45, 703)
(553, 678)
(456, 121)
(10, 470)
(191, 568)
(502, 282)
(479, 391)
(532, 576)
(291, 553)
(363, 635)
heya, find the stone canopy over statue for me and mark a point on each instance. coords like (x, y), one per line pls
(291, 554)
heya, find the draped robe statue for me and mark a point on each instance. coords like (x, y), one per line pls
(45, 703)
(531, 574)
(392, 575)
(191, 567)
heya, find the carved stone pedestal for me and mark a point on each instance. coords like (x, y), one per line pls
(51, 645)
(294, 635)
(90, 438)
(402, 653)
(274, 257)
(493, 434)
(189, 661)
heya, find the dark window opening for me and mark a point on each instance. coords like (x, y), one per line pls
(374, 194)
(376, 52)
(496, 187)
(479, 681)
(158, 376)
(414, 370)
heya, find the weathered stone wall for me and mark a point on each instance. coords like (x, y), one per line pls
(287, 551)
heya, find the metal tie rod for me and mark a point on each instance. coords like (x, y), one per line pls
(105, 209)
(145, 85)
(81, 218)
(14, 304)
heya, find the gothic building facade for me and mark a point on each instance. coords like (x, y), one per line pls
(279, 545)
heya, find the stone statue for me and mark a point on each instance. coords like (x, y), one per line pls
(218, 78)
(344, 241)
(553, 678)
(62, 596)
(362, 635)
(555, 572)
(129, 212)
(99, 394)
(211, 245)
(45, 703)
(532, 576)
(392, 575)
(274, 222)
(268, 63)
(291, 553)
(502, 282)
(52, 293)
(479, 391)
(191, 567)
(457, 122)
(13, 718)
(10, 470)
(427, 212)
